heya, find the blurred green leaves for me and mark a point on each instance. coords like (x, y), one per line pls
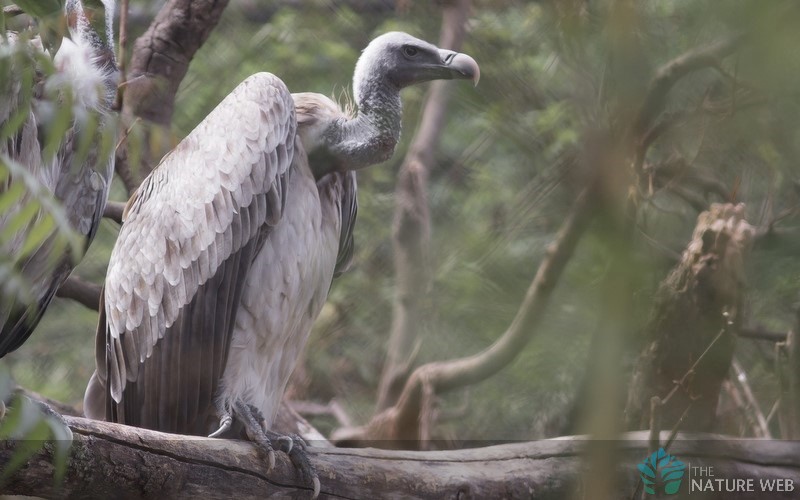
(29, 213)
(40, 8)
(31, 429)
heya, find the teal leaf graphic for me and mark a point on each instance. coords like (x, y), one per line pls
(646, 469)
(661, 469)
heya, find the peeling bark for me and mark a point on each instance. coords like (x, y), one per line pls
(697, 309)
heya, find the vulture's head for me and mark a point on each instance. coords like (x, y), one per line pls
(92, 21)
(389, 63)
(85, 62)
(400, 60)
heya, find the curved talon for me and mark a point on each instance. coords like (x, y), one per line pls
(316, 487)
(293, 445)
(288, 443)
(224, 425)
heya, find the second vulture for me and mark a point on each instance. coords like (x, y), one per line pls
(229, 246)
(76, 172)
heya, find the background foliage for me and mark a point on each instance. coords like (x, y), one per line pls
(553, 74)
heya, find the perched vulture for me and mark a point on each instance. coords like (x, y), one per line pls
(229, 247)
(78, 171)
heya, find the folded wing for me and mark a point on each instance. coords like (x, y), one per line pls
(176, 273)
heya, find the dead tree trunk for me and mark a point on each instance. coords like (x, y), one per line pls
(696, 314)
(116, 461)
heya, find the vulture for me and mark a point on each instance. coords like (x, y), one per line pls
(77, 173)
(228, 249)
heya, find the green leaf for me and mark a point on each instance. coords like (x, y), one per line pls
(37, 235)
(40, 8)
(20, 219)
(11, 196)
(30, 429)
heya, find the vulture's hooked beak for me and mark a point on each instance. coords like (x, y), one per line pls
(460, 66)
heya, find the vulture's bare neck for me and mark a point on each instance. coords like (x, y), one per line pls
(371, 136)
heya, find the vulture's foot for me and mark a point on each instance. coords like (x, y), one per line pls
(255, 428)
(295, 446)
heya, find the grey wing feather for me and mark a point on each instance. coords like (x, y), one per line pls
(81, 188)
(349, 210)
(189, 236)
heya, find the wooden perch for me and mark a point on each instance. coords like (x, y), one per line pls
(400, 425)
(116, 461)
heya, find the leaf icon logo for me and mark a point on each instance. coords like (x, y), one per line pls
(661, 471)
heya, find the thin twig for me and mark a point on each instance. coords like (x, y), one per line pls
(774, 410)
(760, 333)
(674, 432)
(123, 45)
(127, 133)
(752, 402)
(333, 409)
(121, 160)
(694, 366)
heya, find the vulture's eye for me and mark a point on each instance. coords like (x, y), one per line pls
(410, 51)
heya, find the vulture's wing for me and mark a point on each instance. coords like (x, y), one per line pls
(18, 90)
(349, 213)
(176, 273)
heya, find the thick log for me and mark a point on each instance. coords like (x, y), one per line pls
(116, 461)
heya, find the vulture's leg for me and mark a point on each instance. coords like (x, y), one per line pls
(255, 428)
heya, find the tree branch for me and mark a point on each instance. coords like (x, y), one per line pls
(758, 332)
(668, 75)
(412, 227)
(161, 56)
(112, 460)
(399, 424)
(81, 291)
(114, 210)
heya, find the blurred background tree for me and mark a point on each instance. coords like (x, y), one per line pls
(558, 79)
